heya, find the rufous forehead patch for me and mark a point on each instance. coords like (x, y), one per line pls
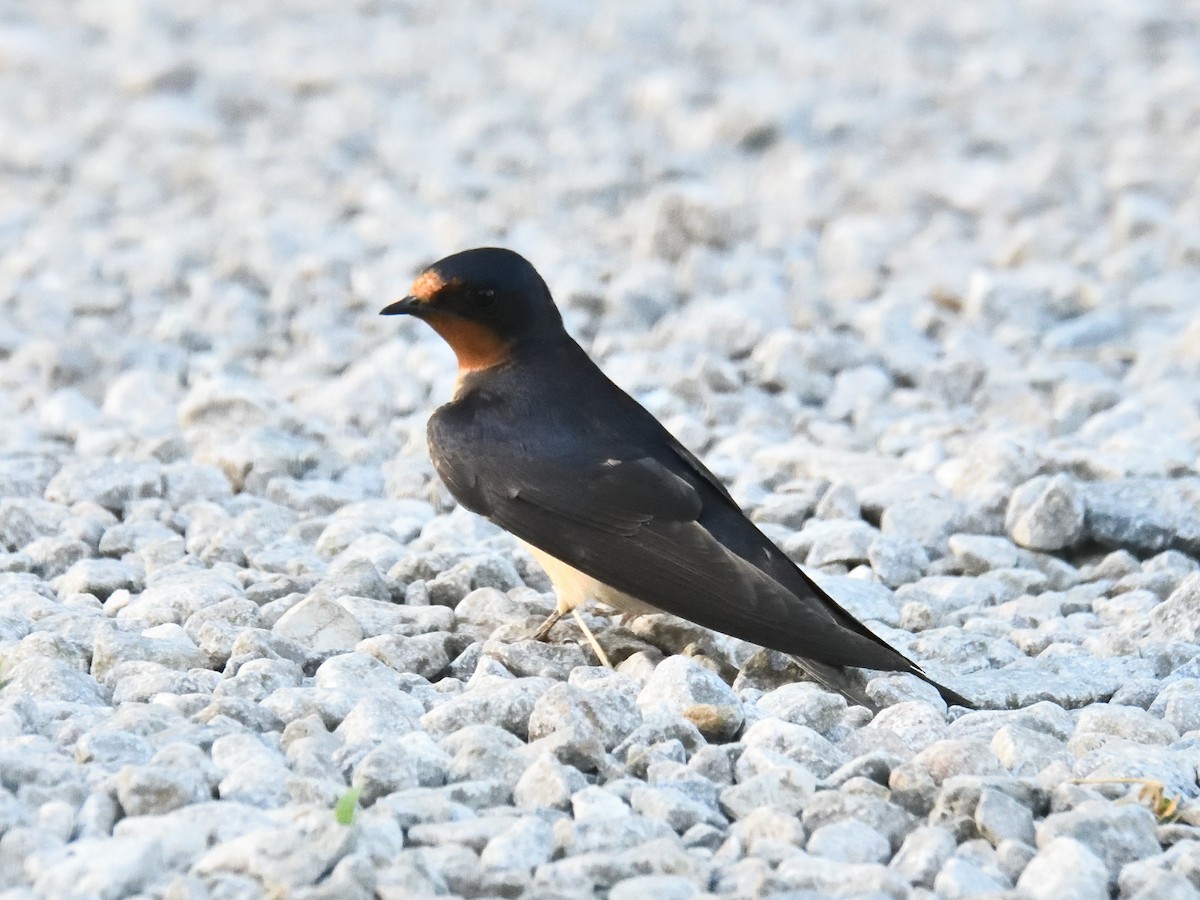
(427, 284)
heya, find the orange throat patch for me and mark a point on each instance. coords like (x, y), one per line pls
(476, 346)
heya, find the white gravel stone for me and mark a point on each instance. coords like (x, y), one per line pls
(547, 784)
(849, 841)
(1145, 514)
(1117, 835)
(167, 783)
(768, 779)
(582, 725)
(1064, 868)
(281, 858)
(320, 623)
(923, 853)
(52, 680)
(897, 560)
(109, 868)
(1045, 513)
(665, 887)
(803, 703)
(1178, 617)
(685, 688)
(1179, 704)
(959, 878)
(1001, 818)
(525, 844)
(815, 874)
(109, 483)
(959, 381)
(496, 701)
(666, 803)
(98, 577)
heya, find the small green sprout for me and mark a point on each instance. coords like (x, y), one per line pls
(343, 811)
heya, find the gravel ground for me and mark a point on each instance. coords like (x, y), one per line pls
(920, 281)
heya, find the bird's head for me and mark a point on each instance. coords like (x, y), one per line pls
(485, 303)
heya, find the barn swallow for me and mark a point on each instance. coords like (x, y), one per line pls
(539, 441)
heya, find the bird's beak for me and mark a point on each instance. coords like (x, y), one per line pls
(406, 307)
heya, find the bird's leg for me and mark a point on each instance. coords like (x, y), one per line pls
(543, 631)
(591, 639)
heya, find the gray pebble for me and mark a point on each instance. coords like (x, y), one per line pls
(1046, 513)
(783, 787)
(827, 807)
(834, 541)
(1179, 704)
(978, 553)
(804, 703)
(1167, 885)
(1178, 617)
(52, 557)
(52, 680)
(426, 654)
(320, 624)
(159, 787)
(525, 844)
(610, 834)
(583, 724)
(109, 483)
(547, 784)
(529, 658)
(103, 867)
(683, 687)
(494, 701)
(174, 595)
(794, 742)
(398, 763)
(1116, 835)
(924, 851)
(665, 887)
(376, 715)
(98, 577)
(665, 803)
(1065, 868)
(1145, 514)
(205, 427)
(897, 560)
(290, 855)
(815, 874)
(928, 520)
(485, 751)
(959, 878)
(849, 841)
(1001, 818)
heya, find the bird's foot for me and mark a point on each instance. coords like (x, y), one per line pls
(543, 632)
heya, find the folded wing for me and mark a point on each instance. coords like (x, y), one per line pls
(636, 525)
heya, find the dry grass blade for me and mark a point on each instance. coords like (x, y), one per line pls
(1151, 794)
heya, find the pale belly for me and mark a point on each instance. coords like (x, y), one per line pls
(574, 588)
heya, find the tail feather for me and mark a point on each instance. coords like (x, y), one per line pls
(839, 679)
(952, 698)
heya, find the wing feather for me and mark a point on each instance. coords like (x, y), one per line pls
(635, 525)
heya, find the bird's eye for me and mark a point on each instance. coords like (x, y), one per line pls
(485, 296)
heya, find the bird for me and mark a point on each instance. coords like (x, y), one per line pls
(538, 440)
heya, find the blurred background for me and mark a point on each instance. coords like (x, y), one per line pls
(207, 202)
